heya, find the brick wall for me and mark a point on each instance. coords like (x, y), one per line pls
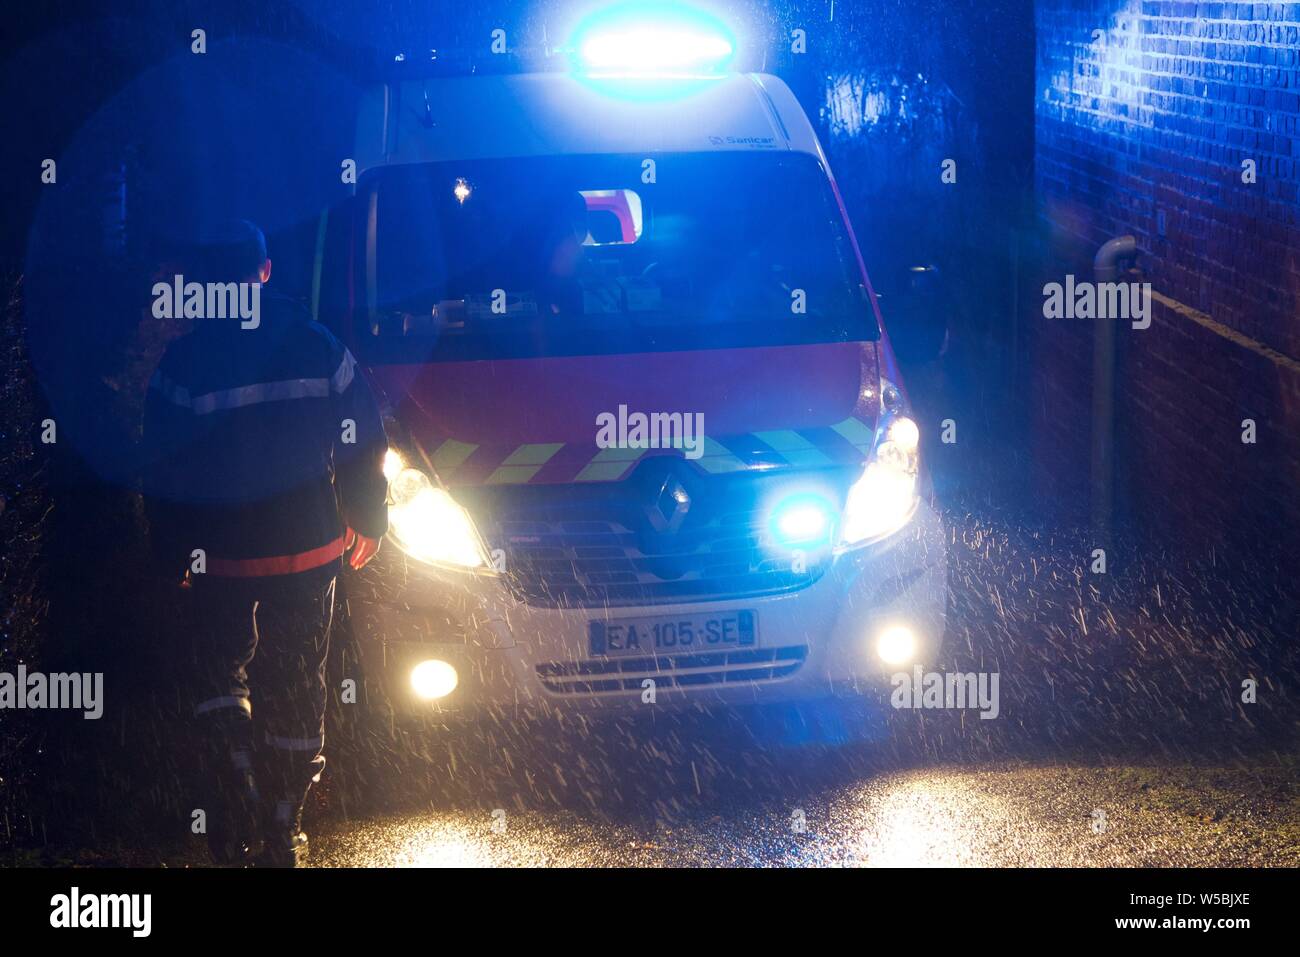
(1145, 112)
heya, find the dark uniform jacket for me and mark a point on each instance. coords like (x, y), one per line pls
(261, 445)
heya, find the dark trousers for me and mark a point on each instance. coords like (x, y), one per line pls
(260, 649)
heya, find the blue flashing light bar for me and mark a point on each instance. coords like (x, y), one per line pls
(652, 40)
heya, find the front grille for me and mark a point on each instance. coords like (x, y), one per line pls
(668, 671)
(570, 546)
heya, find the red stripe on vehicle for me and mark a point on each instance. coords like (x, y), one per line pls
(510, 402)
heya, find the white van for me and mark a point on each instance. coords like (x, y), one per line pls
(527, 256)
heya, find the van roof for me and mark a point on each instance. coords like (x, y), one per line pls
(539, 114)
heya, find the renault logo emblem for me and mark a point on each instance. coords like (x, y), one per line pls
(670, 505)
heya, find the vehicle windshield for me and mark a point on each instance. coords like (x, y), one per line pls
(580, 255)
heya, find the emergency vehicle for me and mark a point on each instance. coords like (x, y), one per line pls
(526, 253)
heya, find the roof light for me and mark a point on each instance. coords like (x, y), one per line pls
(654, 50)
(661, 40)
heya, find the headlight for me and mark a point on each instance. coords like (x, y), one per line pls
(429, 525)
(884, 499)
(393, 464)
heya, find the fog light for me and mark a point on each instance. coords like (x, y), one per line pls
(896, 645)
(433, 679)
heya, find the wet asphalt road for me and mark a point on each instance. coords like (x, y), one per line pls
(947, 816)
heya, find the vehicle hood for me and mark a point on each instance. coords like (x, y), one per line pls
(537, 420)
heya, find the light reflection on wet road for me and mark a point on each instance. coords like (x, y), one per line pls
(990, 816)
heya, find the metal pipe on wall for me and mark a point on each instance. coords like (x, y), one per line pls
(1106, 268)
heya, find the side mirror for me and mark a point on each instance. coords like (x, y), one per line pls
(916, 314)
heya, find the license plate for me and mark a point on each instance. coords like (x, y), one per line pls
(673, 634)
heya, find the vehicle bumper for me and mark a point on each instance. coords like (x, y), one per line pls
(404, 612)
